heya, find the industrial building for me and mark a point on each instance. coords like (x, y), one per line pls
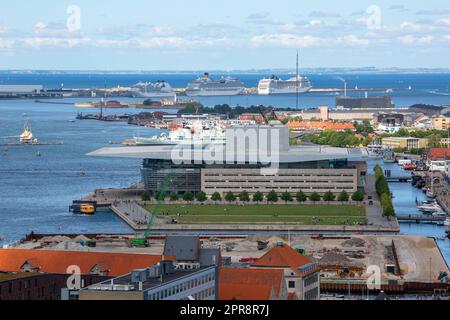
(307, 168)
(346, 102)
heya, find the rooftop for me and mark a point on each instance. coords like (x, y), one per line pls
(46, 261)
(283, 256)
(439, 153)
(249, 284)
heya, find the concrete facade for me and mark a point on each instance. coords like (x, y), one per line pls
(405, 142)
(290, 180)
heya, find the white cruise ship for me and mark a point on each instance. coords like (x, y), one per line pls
(159, 89)
(193, 133)
(207, 86)
(275, 85)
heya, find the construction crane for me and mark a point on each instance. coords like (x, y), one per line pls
(143, 242)
(273, 115)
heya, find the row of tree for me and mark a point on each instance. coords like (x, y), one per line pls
(338, 138)
(272, 196)
(384, 192)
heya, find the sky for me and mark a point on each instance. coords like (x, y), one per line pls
(223, 35)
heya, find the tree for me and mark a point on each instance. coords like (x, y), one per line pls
(201, 197)
(188, 196)
(314, 197)
(244, 197)
(286, 196)
(358, 196)
(388, 207)
(230, 197)
(329, 196)
(343, 196)
(174, 196)
(216, 197)
(146, 196)
(272, 196)
(161, 196)
(301, 196)
(258, 197)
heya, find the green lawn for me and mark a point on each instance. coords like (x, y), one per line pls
(222, 214)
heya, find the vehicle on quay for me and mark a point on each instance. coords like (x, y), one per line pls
(206, 86)
(275, 85)
(158, 89)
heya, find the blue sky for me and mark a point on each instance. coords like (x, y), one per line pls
(227, 35)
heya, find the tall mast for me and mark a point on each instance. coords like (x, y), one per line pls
(296, 85)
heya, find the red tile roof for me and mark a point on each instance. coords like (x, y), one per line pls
(439, 153)
(321, 125)
(283, 256)
(249, 284)
(114, 264)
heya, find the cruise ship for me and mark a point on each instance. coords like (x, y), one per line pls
(275, 85)
(206, 86)
(159, 89)
(192, 132)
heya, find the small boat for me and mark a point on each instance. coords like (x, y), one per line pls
(447, 222)
(389, 156)
(38, 154)
(409, 167)
(81, 173)
(429, 207)
(27, 136)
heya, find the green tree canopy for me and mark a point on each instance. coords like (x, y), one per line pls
(343, 196)
(314, 197)
(258, 197)
(201, 197)
(188, 196)
(174, 196)
(286, 196)
(244, 196)
(272, 196)
(329, 196)
(230, 197)
(216, 197)
(301, 196)
(358, 196)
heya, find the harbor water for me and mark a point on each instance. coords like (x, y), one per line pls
(36, 191)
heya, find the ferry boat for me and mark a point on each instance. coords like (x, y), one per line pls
(27, 136)
(206, 86)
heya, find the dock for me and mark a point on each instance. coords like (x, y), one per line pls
(420, 218)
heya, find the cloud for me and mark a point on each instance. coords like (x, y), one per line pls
(413, 40)
(352, 40)
(443, 22)
(4, 30)
(285, 40)
(435, 12)
(398, 7)
(54, 42)
(262, 18)
(6, 43)
(324, 14)
(258, 16)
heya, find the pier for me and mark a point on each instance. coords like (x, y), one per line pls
(420, 218)
(402, 179)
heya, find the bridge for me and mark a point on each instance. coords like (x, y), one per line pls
(399, 179)
(420, 218)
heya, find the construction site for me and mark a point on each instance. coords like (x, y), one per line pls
(406, 263)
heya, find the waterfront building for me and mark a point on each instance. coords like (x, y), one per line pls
(405, 143)
(307, 168)
(302, 274)
(384, 102)
(441, 123)
(252, 284)
(164, 281)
